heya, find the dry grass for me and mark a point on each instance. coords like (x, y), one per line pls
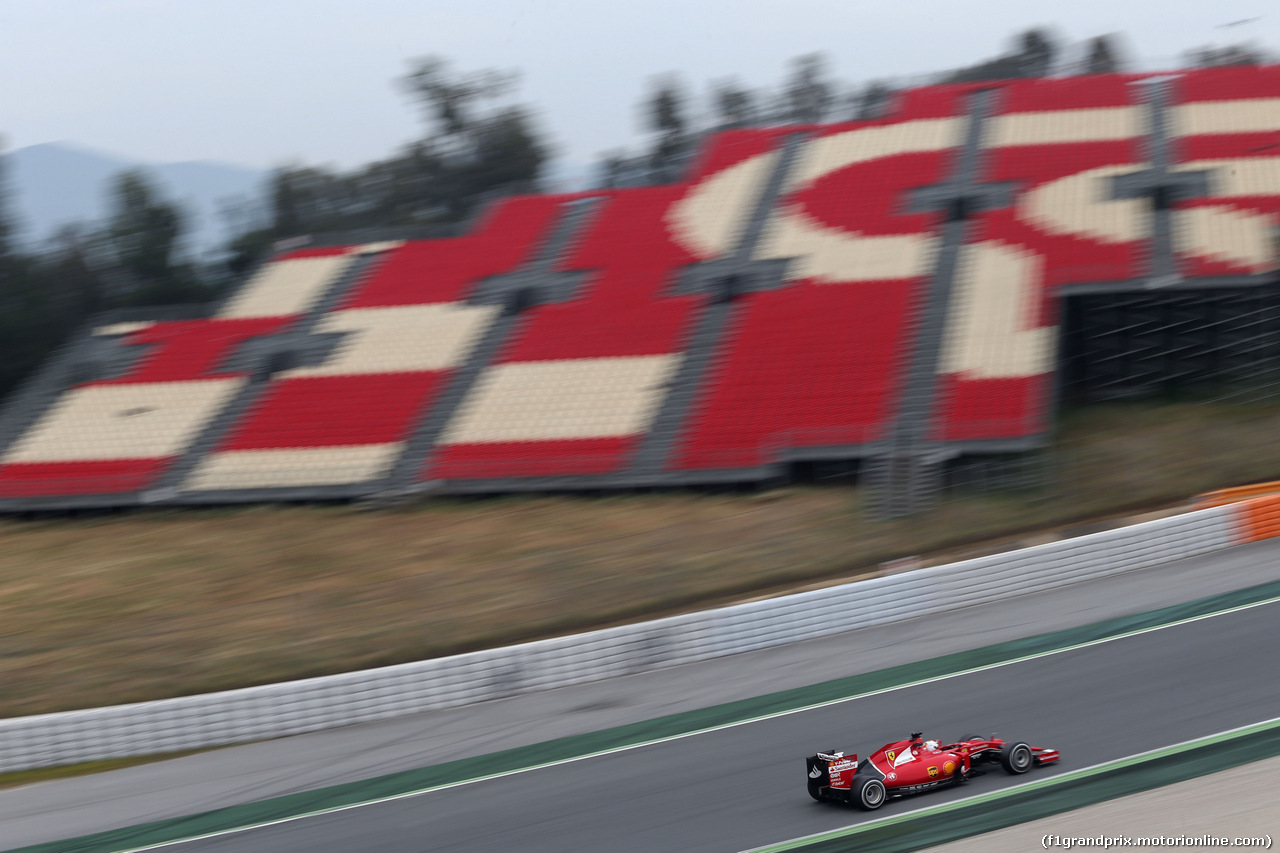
(144, 605)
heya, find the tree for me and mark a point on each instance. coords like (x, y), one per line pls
(734, 104)
(665, 116)
(609, 170)
(30, 324)
(1037, 51)
(6, 224)
(1000, 68)
(305, 200)
(666, 106)
(43, 299)
(476, 144)
(1033, 55)
(872, 101)
(451, 103)
(1210, 56)
(507, 152)
(15, 297)
(74, 266)
(142, 235)
(808, 92)
(1101, 57)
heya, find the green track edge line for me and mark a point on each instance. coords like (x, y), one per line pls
(462, 771)
(931, 826)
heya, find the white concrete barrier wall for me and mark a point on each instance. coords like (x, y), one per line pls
(320, 703)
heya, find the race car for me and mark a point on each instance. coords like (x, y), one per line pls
(914, 765)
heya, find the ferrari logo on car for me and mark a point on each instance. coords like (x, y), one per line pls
(891, 755)
(949, 768)
(933, 771)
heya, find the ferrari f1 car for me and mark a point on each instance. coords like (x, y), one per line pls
(915, 765)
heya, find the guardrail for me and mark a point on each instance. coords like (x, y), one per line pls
(288, 708)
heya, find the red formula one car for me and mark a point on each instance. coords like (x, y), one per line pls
(914, 765)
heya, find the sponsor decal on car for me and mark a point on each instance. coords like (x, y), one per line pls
(816, 772)
(933, 771)
(892, 777)
(842, 765)
(949, 767)
(891, 755)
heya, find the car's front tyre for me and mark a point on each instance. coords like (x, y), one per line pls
(868, 793)
(1016, 758)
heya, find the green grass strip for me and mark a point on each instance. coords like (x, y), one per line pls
(413, 782)
(940, 824)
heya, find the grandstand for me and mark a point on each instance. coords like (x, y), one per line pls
(892, 294)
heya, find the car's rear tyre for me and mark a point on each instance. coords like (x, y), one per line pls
(972, 737)
(868, 793)
(1016, 758)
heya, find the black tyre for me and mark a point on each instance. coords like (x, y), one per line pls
(868, 793)
(972, 737)
(1016, 758)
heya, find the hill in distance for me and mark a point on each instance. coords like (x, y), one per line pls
(59, 183)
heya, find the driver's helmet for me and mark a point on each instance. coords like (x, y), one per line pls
(931, 744)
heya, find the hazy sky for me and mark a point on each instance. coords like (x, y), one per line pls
(271, 81)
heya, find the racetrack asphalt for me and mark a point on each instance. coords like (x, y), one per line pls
(740, 787)
(724, 790)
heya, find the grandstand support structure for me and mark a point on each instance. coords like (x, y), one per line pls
(905, 472)
(1161, 187)
(1219, 342)
(721, 282)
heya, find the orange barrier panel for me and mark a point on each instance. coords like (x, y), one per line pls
(1260, 518)
(1236, 493)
